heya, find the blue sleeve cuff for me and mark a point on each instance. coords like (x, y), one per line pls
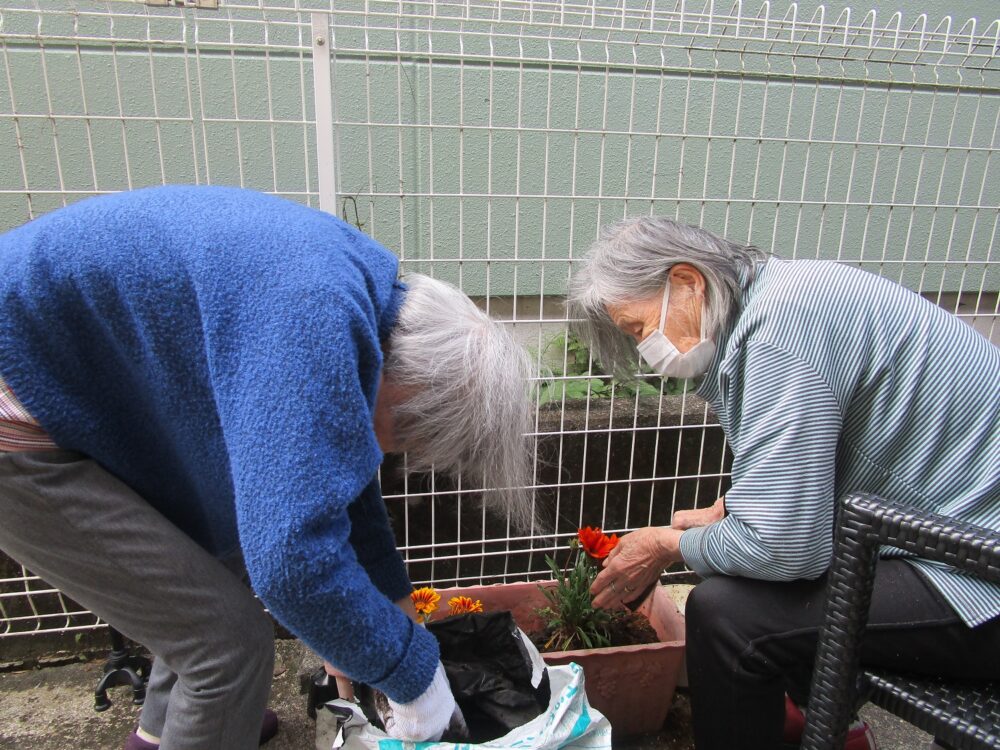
(691, 545)
(415, 671)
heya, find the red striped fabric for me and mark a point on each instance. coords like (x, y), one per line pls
(19, 431)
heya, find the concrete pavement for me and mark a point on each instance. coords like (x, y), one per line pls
(52, 709)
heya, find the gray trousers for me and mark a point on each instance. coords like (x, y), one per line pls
(85, 532)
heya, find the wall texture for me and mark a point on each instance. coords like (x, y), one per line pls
(489, 151)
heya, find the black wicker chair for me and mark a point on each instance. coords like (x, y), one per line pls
(965, 716)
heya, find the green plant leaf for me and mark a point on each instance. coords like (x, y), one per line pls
(577, 389)
(571, 619)
(648, 389)
(554, 567)
(599, 388)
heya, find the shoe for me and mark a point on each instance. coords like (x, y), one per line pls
(135, 742)
(268, 728)
(795, 723)
(859, 734)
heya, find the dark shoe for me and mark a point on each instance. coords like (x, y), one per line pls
(859, 734)
(268, 728)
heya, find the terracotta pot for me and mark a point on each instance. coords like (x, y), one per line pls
(632, 685)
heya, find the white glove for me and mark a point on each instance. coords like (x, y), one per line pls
(427, 717)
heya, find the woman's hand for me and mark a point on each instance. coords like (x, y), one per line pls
(689, 519)
(635, 564)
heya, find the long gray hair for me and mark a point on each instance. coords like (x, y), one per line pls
(631, 261)
(467, 408)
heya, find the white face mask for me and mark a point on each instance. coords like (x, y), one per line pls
(665, 358)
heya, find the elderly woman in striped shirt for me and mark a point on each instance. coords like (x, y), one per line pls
(826, 379)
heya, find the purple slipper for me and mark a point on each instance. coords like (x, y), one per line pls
(268, 728)
(135, 742)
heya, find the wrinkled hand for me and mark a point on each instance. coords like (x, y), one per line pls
(345, 688)
(690, 519)
(427, 717)
(635, 564)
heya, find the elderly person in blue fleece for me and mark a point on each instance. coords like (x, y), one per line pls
(826, 379)
(195, 375)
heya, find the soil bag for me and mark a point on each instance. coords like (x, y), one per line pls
(567, 723)
(507, 695)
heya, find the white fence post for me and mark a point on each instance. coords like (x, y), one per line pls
(326, 152)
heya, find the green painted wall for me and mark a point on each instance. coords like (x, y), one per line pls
(494, 163)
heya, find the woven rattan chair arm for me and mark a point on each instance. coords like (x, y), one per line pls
(928, 535)
(864, 524)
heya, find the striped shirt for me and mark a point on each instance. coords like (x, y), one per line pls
(19, 431)
(832, 380)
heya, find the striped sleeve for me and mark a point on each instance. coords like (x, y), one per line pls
(784, 429)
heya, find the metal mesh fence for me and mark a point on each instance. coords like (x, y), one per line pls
(486, 142)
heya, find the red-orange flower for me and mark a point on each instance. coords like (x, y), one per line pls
(460, 605)
(596, 543)
(425, 600)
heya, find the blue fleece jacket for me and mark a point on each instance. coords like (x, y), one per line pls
(219, 351)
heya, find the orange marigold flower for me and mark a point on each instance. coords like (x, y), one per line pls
(425, 600)
(596, 543)
(461, 605)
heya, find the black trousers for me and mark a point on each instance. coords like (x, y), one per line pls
(749, 642)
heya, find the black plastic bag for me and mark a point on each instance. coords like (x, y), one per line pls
(489, 670)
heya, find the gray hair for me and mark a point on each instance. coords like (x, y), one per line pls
(631, 261)
(467, 409)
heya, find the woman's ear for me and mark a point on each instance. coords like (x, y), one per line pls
(686, 281)
(385, 429)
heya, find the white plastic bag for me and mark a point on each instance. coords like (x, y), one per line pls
(569, 722)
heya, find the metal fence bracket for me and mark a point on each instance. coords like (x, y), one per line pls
(200, 4)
